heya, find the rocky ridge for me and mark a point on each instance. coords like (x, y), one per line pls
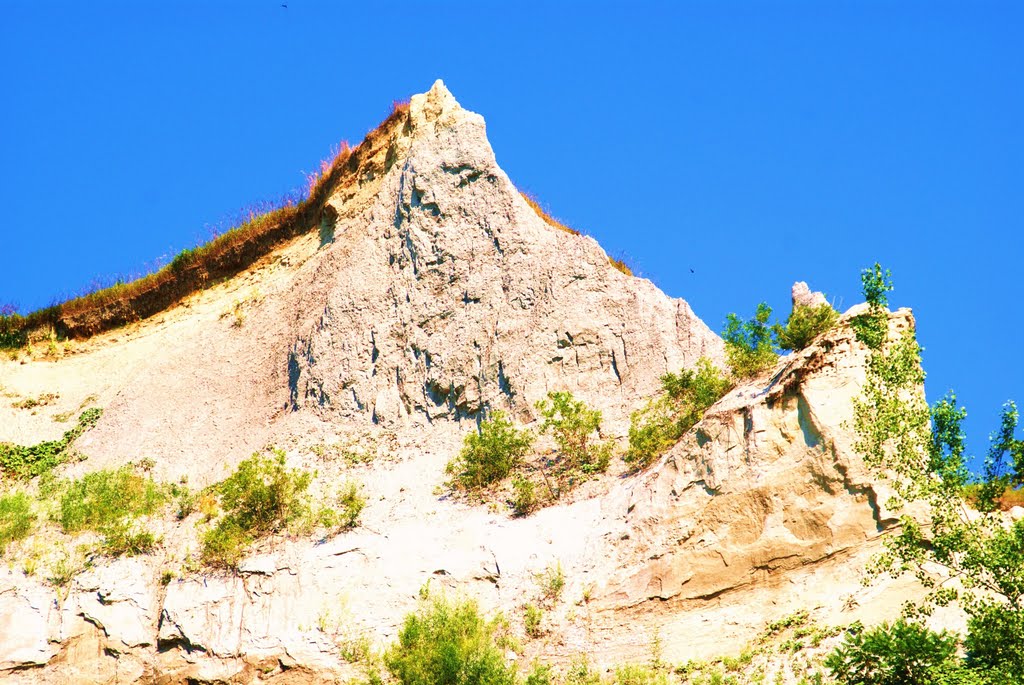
(433, 293)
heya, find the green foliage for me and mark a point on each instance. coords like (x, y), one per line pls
(664, 420)
(903, 653)
(635, 674)
(872, 328)
(490, 454)
(805, 323)
(262, 496)
(16, 518)
(921, 453)
(551, 582)
(524, 499)
(532, 616)
(995, 632)
(540, 674)
(748, 344)
(1004, 464)
(572, 424)
(25, 462)
(109, 497)
(350, 504)
(12, 329)
(448, 643)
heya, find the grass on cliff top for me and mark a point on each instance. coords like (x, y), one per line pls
(258, 220)
(535, 205)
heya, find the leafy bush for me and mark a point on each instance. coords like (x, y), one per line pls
(260, 497)
(106, 498)
(29, 461)
(540, 674)
(448, 643)
(532, 616)
(748, 344)
(551, 582)
(524, 498)
(663, 421)
(350, 503)
(572, 423)
(634, 674)
(805, 323)
(903, 653)
(12, 329)
(872, 328)
(16, 518)
(490, 454)
(995, 633)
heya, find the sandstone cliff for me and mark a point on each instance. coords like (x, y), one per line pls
(430, 293)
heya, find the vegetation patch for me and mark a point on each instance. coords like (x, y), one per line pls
(575, 428)
(110, 502)
(660, 424)
(749, 345)
(804, 324)
(18, 461)
(491, 453)
(262, 229)
(16, 518)
(448, 641)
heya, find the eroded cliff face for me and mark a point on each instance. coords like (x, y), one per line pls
(448, 294)
(434, 291)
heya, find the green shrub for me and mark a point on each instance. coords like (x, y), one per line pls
(350, 503)
(551, 582)
(12, 329)
(748, 344)
(995, 632)
(122, 540)
(16, 518)
(448, 643)
(225, 543)
(572, 424)
(26, 462)
(524, 499)
(634, 674)
(262, 496)
(532, 616)
(102, 499)
(805, 323)
(664, 420)
(872, 328)
(902, 653)
(490, 454)
(541, 674)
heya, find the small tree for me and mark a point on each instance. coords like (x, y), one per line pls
(920, 452)
(491, 453)
(899, 654)
(448, 643)
(871, 328)
(572, 424)
(805, 323)
(748, 343)
(664, 420)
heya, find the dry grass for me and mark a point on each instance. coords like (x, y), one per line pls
(548, 219)
(196, 268)
(555, 223)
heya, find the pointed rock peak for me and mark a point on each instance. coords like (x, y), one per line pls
(435, 107)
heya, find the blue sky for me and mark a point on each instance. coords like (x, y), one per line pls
(757, 143)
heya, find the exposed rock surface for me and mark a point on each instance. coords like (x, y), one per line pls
(432, 292)
(803, 295)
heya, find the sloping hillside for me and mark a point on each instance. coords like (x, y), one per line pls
(429, 296)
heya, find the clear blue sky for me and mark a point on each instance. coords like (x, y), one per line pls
(758, 143)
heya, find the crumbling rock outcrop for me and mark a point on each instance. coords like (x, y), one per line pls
(432, 293)
(448, 295)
